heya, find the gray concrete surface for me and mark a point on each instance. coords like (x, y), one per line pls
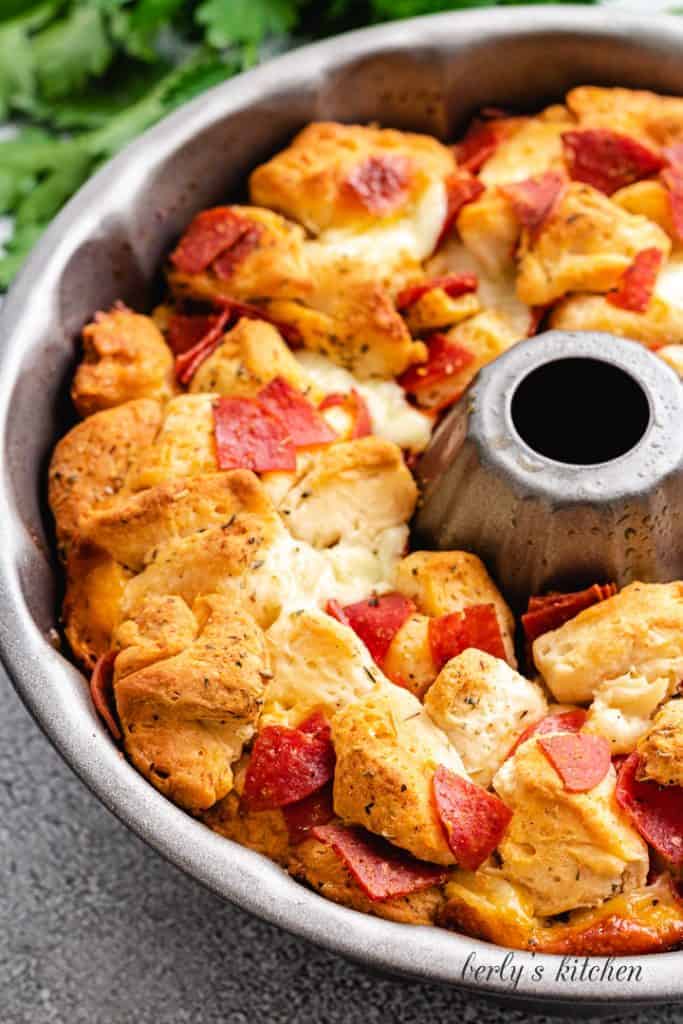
(96, 929)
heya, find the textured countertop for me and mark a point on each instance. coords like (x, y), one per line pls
(95, 928)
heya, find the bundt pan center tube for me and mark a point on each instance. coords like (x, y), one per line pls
(426, 75)
(562, 465)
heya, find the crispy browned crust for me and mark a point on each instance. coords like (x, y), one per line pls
(317, 865)
(94, 590)
(262, 831)
(125, 357)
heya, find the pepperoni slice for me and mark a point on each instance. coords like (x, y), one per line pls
(102, 692)
(551, 611)
(460, 190)
(476, 626)
(608, 160)
(286, 765)
(316, 725)
(306, 427)
(535, 199)
(580, 759)
(452, 284)
(656, 811)
(559, 721)
(380, 183)
(185, 331)
(249, 437)
(304, 815)
(473, 819)
(381, 870)
(228, 261)
(188, 362)
(479, 144)
(357, 409)
(376, 621)
(251, 312)
(672, 178)
(638, 282)
(427, 381)
(210, 233)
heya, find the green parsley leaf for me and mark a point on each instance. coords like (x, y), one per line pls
(70, 50)
(233, 22)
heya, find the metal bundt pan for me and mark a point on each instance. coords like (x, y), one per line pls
(562, 466)
(429, 74)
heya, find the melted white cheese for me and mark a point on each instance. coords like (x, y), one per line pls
(413, 236)
(393, 417)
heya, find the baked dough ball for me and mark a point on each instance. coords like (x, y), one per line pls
(490, 231)
(585, 244)
(91, 463)
(211, 559)
(661, 749)
(183, 446)
(622, 708)
(268, 261)
(336, 176)
(533, 148)
(487, 250)
(654, 120)
(262, 831)
(249, 357)
(659, 324)
(486, 906)
(137, 526)
(387, 750)
(441, 582)
(649, 198)
(353, 490)
(186, 717)
(408, 661)
(351, 318)
(95, 584)
(317, 664)
(567, 850)
(317, 864)
(125, 357)
(483, 706)
(638, 631)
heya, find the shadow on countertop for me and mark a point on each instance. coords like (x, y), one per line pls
(95, 928)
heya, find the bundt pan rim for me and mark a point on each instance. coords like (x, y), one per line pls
(108, 243)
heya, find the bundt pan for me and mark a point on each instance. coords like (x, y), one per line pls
(429, 74)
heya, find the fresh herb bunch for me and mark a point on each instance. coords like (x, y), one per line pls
(81, 78)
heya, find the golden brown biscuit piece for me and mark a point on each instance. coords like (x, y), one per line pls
(639, 631)
(135, 525)
(317, 664)
(535, 147)
(660, 324)
(585, 245)
(441, 582)
(353, 490)
(409, 661)
(486, 906)
(125, 358)
(483, 706)
(249, 357)
(340, 176)
(89, 466)
(317, 864)
(387, 750)
(649, 198)
(490, 231)
(262, 831)
(673, 356)
(351, 318)
(163, 627)
(661, 749)
(567, 850)
(94, 590)
(183, 446)
(272, 263)
(654, 120)
(186, 718)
